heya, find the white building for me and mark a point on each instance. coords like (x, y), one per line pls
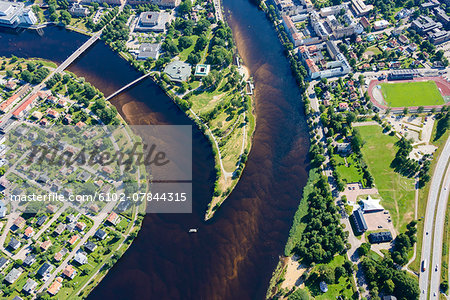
(381, 24)
(14, 14)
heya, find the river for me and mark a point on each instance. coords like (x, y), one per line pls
(233, 255)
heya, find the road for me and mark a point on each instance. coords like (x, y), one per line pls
(438, 237)
(98, 220)
(430, 216)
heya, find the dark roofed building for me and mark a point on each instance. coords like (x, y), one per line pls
(358, 221)
(29, 260)
(403, 74)
(3, 263)
(40, 221)
(14, 244)
(380, 237)
(45, 269)
(101, 234)
(90, 246)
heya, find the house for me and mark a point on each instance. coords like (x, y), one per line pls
(13, 275)
(60, 254)
(108, 170)
(80, 125)
(3, 263)
(113, 218)
(90, 246)
(358, 221)
(380, 237)
(100, 234)
(70, 272)
(71, 218)
(45, 245)
(403, 39)
(343, 148)
(80, 258)
(94, 208)
(3, 209)
(52, 113)
(29, 232)
(43, 122)
(80, 226)
(380, 24)
(41, 220)
(73, 239)
(4, 183)
(37, 115)
(55, 286)
(11, 85)
(19, 223)
(59, 229)
(29, 286)
(52, 208)
(29, 260)
(343, 106)
(14, 244)
(45, 269)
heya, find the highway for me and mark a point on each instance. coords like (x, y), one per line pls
(429, 218)
(438, 237)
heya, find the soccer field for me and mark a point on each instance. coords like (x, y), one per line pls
(420, 93)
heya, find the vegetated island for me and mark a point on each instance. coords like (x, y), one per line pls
(193, 58)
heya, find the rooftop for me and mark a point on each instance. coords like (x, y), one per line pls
(178, 71)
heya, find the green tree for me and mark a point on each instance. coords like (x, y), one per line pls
(185, 42)
(185, 7)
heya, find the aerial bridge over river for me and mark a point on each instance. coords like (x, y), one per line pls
(127, 86)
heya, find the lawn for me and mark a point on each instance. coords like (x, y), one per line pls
(397, 191)
(405, 94)
(344, 287)
(350, 172)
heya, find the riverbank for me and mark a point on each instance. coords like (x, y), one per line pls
(64, 100)
(218, 104)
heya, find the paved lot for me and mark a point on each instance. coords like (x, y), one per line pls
(353, 190)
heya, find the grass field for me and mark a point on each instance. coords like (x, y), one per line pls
(405, 94)
(397, 191)
(343, 288)
(350, 173)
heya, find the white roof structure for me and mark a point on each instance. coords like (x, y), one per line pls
(323, 286)
(371, 205)
(13, 14)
